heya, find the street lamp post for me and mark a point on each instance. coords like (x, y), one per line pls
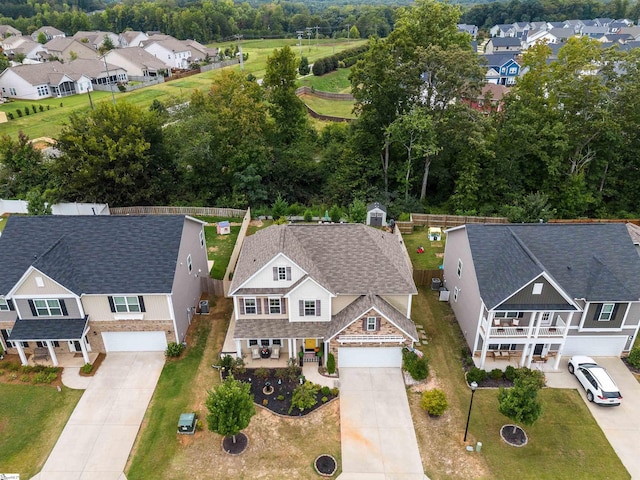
(473, 386)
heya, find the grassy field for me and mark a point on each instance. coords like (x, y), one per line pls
(433, 251)
(49, 122)
(565, 443)
(336, 108)
(335, 82)
(219, 249)
(31, 420)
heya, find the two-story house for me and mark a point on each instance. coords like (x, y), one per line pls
(98, 283)
(503, 68)
(341, 288)
(172, 52)
(540, 291)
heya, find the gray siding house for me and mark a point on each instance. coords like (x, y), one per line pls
(98, 283)
(535, 292)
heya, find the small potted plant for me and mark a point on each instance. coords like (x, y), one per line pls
(300, 357)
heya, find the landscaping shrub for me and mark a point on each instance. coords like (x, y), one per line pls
(86, 368)
(262, 373)
(476, 375)
(26, 111)
(238, 366)
(304, 396)
(226, 362)
(418, 367)
(41, 108)
(634, 357)
(1, 372)
(496, 374)
(24, 378)
(528, 376)
(510, 373)
(13, 366)
(325, 390)
(19, 112)
(434, 402)
(308, 215)
(318, 68)
(33, 107)
(324, 399)
(13, 376)
(48, 107)
(331, 364)
(43, 377)
(174, 349)
(10, 116)
(280, 397)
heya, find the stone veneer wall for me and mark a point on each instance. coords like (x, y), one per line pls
(95, 339)
(386, 328)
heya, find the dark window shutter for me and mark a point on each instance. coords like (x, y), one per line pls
(275, 273)
(11, 305)
(33, 308)
(301, 305)
(288, 273)
(63, 307)
(241, 303)
(283, 305)
(615, 311)
(520, 314)
(258, 306)
(56, 343)
(111, 304)
(597, 312)
(318, 308)
(364, 324)
(378, 323)
(141, 301)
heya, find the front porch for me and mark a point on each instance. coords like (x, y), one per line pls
(543, 364)
(71, 360)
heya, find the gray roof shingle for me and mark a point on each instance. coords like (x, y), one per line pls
(48, 329)
(597, 262)
(343, 258)
(93, 254)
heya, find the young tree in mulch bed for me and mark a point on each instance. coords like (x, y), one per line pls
(230, 408)
(520, 403)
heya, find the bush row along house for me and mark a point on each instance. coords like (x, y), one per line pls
(138, 57)
(98, 283)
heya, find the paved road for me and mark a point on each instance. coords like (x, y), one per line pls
(378, 439)
(96, 442)
(621, 425)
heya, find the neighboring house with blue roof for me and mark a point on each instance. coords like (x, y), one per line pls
(98, 283)
(541, 291)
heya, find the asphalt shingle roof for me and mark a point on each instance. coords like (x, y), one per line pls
(48, 329)
(93, 254)
(343, 258)
(597, 262)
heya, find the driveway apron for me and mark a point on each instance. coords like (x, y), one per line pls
(378, 438)
(96, 442)
(621, 425)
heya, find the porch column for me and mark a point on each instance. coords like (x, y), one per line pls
(239, 348)
(23, 357)
(289, 347)
(556, 364)
(52, 353)
(83, 347)
(530, 355)
(485, 347)
(294, 352)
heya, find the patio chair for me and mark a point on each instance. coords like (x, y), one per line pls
(275, 353)
(255, 353)
(515, 322)
(496, 322)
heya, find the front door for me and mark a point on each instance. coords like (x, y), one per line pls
(74, 346)
(538, 349)
(310, 343)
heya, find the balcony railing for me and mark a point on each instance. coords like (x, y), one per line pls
(370, 339)
(524, 331)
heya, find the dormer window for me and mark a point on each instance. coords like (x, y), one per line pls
(281, 273)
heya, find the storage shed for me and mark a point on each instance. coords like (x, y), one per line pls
(223, 228)
(376, 215)
(434, 234)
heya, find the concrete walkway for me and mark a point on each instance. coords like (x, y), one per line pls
(96, 442)
(621, 425)
(378, 439)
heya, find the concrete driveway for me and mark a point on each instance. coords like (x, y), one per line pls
(96, 442)
(621, 425)
(378, 439)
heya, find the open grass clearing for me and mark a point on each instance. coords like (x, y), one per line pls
(433, 255)
(219, 249)
(324, 106)
(31, 420)
(335, 82)
(565, 443)
(278, 447)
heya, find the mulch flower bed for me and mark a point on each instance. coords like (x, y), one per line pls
(235, 448)
(631, 368)
(326, 465)
(514, 437)
(279, 401)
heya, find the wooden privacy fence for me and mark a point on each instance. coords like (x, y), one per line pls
(206, 211)
(424, 277)
(212, 286)
(320, 94)
(448, 221)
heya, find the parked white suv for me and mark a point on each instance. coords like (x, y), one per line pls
(599, 386)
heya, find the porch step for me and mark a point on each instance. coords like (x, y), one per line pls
(310, 357)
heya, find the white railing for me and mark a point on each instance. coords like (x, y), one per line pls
(370, 339)
(524, 331)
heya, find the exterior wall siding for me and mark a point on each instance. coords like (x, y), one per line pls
(264, 278)
(399, 302)
(97, 327)
(310, 291)
(186, 286)
(616, 322)
(549, 295)
(341, 302)
(467, 308)
(97, 307)
(30, 288)
(73, 310)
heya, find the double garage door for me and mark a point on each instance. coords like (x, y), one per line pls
(369, 357)
(594, 346)
(134, 341)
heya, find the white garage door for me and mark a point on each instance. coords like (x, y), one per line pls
(594, 346)
(134, 341)
(370, 357)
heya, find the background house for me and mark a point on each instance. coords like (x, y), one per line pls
(49, 33)
(67, 49)
(139, 64)
(172, 52)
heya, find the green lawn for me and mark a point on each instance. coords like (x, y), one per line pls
(31, 419)
(336, 108)
(157, 443)
(336, 82)
(219, 249)
(433, 251)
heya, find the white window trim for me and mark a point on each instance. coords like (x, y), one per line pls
(202, 238)
(456, 291)
(304, 310)
(255, 305)
(609, 313)
(126, 304)
(189, 263)
(459, 270)
(47, 307)
(537, 288)
(4, 305)
(279, 312)
(282, 273)
(372, 324)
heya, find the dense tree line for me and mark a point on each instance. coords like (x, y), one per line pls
(210, 20)
(487, 15)
(566, 143)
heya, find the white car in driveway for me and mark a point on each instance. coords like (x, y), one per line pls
(599, 386)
